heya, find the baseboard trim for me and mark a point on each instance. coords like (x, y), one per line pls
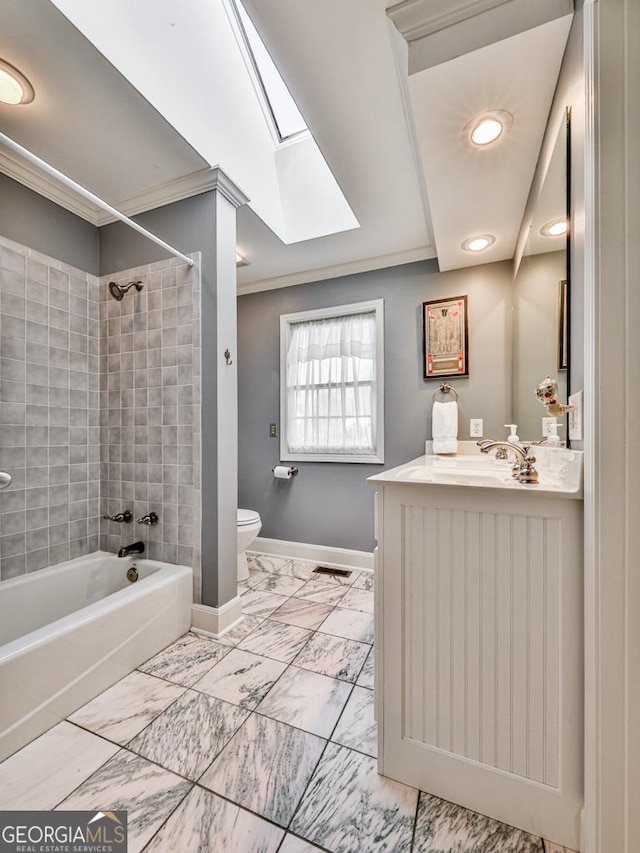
(362, 560)
(215, 621)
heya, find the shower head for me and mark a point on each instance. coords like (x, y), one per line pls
(118, 290)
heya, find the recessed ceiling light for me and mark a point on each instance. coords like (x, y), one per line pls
(488, 127)
(479, 243)
(14, 87)
(555, 228)
(486, 131)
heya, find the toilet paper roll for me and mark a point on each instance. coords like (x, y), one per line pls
(282, 472)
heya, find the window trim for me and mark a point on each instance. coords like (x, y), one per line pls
(286, 320)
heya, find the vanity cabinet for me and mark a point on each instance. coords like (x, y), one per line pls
(479, 637)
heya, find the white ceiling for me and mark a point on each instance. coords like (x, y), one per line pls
(86, 119)
(475, 190)
(346, 66)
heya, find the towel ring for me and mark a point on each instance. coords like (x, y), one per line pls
(445, 388)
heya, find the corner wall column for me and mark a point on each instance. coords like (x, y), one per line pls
(612, 415)
(219, 418)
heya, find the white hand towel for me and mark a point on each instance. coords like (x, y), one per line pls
(444, 427)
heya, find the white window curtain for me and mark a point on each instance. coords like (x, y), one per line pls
(331, 385)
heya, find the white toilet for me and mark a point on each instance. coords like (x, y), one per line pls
(249, 525)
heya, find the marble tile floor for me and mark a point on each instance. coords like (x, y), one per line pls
(262, 741)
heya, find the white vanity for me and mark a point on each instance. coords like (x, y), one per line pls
(479, 674)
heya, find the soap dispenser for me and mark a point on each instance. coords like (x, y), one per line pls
(513, 437)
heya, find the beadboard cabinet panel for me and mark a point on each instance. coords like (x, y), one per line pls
(479, 638)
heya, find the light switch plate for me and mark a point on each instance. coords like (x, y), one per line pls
(546, 429)
(575, 416)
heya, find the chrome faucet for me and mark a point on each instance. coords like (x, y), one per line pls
(127, 550)
(523, 470)
(501, 452)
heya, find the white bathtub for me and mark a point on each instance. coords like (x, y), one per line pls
(69, 632)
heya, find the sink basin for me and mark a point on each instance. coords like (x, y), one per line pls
(559, 471)
(464, 468)
(461, 476)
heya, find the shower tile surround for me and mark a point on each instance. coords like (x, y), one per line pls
(99, 411)
(150, 411)
(49, 410)
(264, 777)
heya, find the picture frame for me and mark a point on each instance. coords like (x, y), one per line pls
(563, 327)
(445, 338)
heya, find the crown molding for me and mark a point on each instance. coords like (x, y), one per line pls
(203, 180)
(43, 185)
(419, 18)
(195, 183)
(437, 31)
(227, 188)
(423, 253)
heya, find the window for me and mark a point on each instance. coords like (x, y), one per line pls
(331, 384)
(285, 114)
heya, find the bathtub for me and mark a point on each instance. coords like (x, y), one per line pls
(70, 631)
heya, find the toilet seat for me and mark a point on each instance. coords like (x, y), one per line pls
(247, 516)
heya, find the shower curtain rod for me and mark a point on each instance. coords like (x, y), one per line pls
(85, 193)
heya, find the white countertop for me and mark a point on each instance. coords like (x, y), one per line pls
(559, 471)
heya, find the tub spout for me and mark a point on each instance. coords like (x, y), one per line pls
(127, 550)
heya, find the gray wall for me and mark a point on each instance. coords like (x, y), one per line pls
(186, 225)
(329, 503)
(34, 221)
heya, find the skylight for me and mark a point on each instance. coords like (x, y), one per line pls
(286, 115)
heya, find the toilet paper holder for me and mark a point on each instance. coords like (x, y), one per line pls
(293, 470)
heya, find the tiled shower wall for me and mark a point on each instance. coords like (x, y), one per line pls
(49, 410)
(150, 411)
(99, 411)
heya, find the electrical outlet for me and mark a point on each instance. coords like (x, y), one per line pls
(575, 416)
(273, 430)
(546, 428)
(475, 428)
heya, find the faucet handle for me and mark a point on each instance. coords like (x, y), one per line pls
(126, 517)
(150, 520)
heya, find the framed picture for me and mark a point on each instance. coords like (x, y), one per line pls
(563, 343)
(445, 337)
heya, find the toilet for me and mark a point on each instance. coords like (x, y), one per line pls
(249, 525)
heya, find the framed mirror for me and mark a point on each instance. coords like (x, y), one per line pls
(541, 298)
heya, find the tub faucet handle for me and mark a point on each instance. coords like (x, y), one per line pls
(150, 520)
(126, 517)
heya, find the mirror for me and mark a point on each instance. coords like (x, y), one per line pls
(541, 327)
